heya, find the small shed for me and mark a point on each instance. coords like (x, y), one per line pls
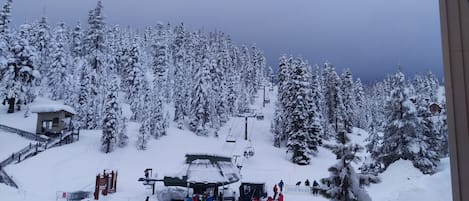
(53, 118)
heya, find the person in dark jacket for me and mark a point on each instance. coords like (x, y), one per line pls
(307, 182)
(280, 184)
(247, 195)
(315, 187)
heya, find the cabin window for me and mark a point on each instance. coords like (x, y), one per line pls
(46, 125)
(55, 122)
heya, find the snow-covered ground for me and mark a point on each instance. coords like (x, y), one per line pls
(74, 167)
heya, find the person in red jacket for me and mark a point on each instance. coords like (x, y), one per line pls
(280, 197)
(195, 197)
(275, 191)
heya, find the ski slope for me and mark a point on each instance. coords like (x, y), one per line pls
(74, 167)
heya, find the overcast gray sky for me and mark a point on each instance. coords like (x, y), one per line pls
(368, 36)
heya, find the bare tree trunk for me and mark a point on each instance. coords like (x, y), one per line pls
(11, 105)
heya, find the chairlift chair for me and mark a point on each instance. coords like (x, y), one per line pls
(230, 138)
(249, 152)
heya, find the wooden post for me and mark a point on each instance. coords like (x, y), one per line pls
(263, 99)
(246, 129)
(112, 181)
(105, 180)
(96, 188)
(115, 182)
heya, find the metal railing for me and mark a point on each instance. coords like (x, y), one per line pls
(7, 179)
(31, 150)
(25, 134)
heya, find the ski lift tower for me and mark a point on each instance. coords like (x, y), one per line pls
(246, 116)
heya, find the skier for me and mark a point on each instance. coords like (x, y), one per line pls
(315, 187)
(275, 191)
(280, 197)
(307, 182)
(280, 184)
(247, 195)
(195, 197)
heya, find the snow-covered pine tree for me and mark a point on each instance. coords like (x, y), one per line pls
(248, 74)
(122, 138)
(179, 90)
(218, 62)
(304, 130)
(348, 96)
(232, 80)
(442, 130)
(318, 99)
(279, 121)
(401, 130)
(41, 40)
(335, 110)
(94, 51)
(85, 111)
(76, 43)
(135, 82)
(111, 117)
(432, 87)
(143, 134)
(200, 98)
(373, 146)
(427, 157)
(259, 66)
(21, 72)
(4, 39)
(160, 65)
(375, 102)
(359, 112)
(146, 128)
(158, 120)
(344, 184)
(59, 76)
(75, 67)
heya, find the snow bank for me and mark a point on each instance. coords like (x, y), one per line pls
(403, 182)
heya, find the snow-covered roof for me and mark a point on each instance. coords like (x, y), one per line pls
(208, 169)
(54, 107)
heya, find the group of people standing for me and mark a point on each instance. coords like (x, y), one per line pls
(314, 189)
(276, 192)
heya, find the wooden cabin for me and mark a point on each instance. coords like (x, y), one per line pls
(52, 119)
